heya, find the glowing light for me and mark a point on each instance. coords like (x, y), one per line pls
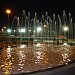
(65, 28)
(29, 30)
(44, 26)
(39, 29)
(8, 30)
(2, 29)
(22, 30)
(14, 30)
(5, 27)
(8, 11)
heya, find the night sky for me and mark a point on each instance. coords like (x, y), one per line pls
(32, 6)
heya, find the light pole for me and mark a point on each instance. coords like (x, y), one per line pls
(8, 12)
(39, 29)
(8, 30)
(65, 29)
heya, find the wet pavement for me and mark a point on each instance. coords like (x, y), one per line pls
(24, 59)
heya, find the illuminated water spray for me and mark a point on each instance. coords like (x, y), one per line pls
(48, 30)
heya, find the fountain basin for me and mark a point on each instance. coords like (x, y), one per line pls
(59, 70)
(37, 59)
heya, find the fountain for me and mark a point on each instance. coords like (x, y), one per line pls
(45, 30)
(42, 44)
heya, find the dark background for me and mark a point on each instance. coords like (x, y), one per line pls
(32, 6)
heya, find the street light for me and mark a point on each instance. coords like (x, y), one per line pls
(22, 30)
(8, 12)
(8, 30)
(65, 30)
(39, 29)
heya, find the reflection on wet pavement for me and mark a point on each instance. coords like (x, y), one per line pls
(33, 58)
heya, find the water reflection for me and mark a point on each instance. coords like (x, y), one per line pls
(17, 60)
(41, 58)
(7, 60)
